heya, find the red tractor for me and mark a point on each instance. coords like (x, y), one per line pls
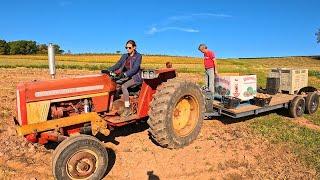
(65, 110)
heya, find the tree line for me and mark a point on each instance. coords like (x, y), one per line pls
(25, 47)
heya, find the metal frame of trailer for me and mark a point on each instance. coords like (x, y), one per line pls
(278, 101)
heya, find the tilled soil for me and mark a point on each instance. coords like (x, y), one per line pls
(222, 150)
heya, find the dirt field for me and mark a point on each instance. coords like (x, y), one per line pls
(223, 150)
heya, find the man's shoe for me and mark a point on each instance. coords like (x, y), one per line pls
(127, 112)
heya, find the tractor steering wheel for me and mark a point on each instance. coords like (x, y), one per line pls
(115, 77)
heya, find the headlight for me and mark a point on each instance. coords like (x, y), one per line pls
(149, 74)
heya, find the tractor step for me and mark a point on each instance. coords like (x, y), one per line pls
(119, 119)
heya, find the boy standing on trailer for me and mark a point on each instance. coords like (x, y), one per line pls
(210, 66)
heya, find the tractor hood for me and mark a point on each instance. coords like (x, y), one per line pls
(66, 87)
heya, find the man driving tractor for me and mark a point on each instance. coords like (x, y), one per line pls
(128, 69)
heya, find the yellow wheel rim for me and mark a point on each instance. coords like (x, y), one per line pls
(185, 115)
(82, 164)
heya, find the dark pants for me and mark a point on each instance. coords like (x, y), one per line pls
(125, 87)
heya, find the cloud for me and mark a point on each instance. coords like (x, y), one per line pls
(175, 22)
(154, 30)
(197, 16)
(212, 15)
(65, 3)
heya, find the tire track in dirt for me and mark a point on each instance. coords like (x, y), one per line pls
(301, 121)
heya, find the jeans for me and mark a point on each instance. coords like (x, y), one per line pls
(209, 79)
(125, 87)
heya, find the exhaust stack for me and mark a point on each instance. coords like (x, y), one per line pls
(52, 61)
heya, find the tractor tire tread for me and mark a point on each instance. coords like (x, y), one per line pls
(159, 111)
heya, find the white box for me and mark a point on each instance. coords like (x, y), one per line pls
(242, 87)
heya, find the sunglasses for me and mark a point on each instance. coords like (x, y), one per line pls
(128, 47)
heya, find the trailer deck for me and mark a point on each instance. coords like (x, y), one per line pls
(278, 101)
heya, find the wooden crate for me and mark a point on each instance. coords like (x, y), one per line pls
(291, 80)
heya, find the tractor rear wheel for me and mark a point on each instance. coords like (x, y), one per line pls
(80, 157)
(176, 113)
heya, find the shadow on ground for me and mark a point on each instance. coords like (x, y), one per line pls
(126, 130)
(228, 120)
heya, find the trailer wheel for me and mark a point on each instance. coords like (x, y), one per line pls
(297, 107)
(312, 103)
(80, 157)
(176, 113)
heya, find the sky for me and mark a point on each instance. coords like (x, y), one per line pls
(238, 28)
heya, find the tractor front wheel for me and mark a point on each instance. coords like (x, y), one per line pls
(80, 157)
(176, 113)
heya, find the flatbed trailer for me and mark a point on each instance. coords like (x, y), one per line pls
(278, 101)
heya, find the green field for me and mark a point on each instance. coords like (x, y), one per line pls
(304, 142)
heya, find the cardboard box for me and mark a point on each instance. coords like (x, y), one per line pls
(242, 87)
